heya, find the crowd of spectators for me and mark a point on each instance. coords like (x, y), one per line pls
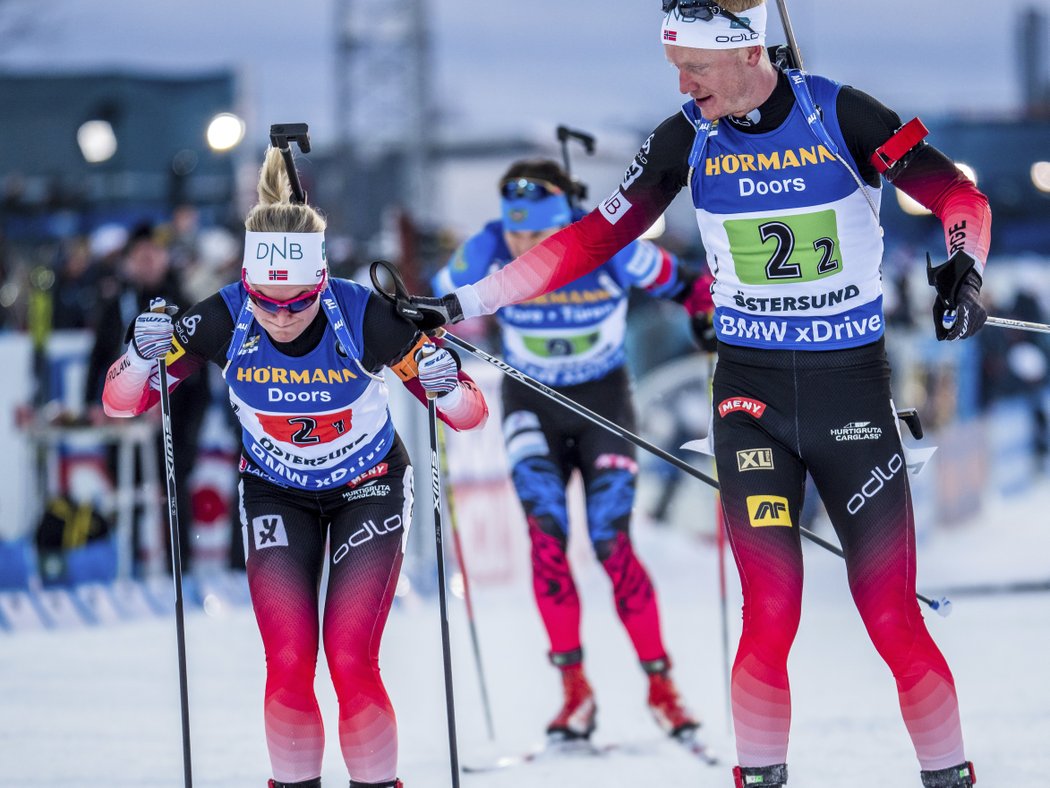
(98, 282)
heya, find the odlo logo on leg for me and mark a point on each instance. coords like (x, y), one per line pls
(876, 481)
(368, 531)
(269, 531)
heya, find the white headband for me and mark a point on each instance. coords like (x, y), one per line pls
(284, 258)
(718, 32)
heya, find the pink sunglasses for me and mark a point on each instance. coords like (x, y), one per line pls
(293, 305)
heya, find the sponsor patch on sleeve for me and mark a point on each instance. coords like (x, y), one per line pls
(615, 206)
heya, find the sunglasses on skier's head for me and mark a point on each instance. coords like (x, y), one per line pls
(294, 305)
(704, 10)
(531, 189)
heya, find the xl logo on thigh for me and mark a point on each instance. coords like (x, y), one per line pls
(754, 460)
(763, 510)
(366, 533)
(269, 531)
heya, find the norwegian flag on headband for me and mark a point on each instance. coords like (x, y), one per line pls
(278, 276)
(670, 35)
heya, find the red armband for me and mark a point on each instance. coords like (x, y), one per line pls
(897, 147)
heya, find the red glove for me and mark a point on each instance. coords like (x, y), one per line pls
(698, 299)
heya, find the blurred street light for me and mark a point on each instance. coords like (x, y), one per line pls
(97, 141)
(1041, 175)
(225, 131)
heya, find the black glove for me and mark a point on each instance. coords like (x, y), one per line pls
(703, 328)
(957, 310)
(430, 313)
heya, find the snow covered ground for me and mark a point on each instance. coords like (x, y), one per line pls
(99, 707)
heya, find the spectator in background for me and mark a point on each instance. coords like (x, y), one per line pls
(5, 274)
(75, 291)
(107, 244)
(183, 236)
(217, 263)
(145, 273)
(1015, 364)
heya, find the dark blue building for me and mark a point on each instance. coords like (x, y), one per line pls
(161, 159)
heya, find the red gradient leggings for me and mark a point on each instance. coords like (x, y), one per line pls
(285, 532)
(777, 415)
(546, 443)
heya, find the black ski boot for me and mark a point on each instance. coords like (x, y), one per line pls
(392, 784)
(953, 777)
(314, 783)
(775, 776)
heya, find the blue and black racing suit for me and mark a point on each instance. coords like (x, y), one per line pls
(572, 340)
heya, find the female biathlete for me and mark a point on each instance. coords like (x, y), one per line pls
(303, 354)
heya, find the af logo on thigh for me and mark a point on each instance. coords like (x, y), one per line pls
(763, 510)
(269, 531)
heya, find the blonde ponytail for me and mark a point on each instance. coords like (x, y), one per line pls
(275, 211)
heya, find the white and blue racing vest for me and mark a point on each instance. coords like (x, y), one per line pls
(576, 333)
(791, 235)
(312, 422)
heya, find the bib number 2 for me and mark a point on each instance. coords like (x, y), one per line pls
(789, 258)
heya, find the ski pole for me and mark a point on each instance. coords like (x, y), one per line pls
(458, 547)
(446, 649)
(727, 679)
(722, 592)
(176, 557)
(941, 606)
(1021, 325)
(577, 408)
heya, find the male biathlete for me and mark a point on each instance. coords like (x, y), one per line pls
(785, 170)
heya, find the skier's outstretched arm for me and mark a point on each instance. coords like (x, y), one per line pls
(422, 366)
(658, 172)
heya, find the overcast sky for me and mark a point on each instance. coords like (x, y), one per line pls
(521, 67)
(505, 65)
